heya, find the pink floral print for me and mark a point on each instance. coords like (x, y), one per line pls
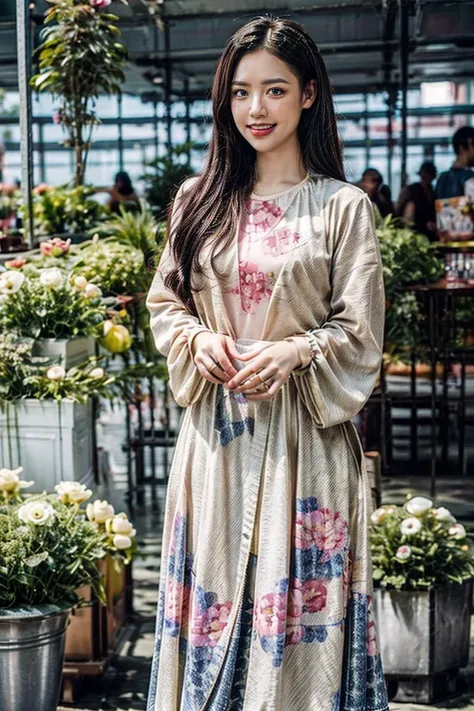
(208, 625)
(270, 614)
(255, 285)
(323, 528)
(279, 242)
(177, 602)
(261, 216)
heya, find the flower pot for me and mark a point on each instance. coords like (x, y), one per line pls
(67, 352)
(31, 657)
(52, 442)
(424, 638)
(85, 638)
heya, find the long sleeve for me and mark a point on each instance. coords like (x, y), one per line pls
(343, 370)
(173, 328)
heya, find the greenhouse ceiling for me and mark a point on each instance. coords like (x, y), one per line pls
(180, 40)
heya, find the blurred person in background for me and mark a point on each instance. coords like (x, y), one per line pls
(416, 202)
(452, 183)
(372, 183)
(121, 194)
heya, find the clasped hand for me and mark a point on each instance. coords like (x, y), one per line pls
(268, 368)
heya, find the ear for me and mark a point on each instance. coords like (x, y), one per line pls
(309, 94)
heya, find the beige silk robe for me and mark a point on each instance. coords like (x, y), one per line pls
(286, 475)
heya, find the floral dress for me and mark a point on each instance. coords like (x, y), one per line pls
(265, 589)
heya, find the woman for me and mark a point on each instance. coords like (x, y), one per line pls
(122, 193)
(269, 305)
(416, 203)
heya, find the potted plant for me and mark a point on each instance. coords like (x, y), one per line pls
(81, 57)
(162, 176)
(423, 570)
(408, 258)
(63, 315)
(65, 210)
(50, 546)
(46, 413)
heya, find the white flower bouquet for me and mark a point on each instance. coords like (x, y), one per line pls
(418, 546)
(50, 544)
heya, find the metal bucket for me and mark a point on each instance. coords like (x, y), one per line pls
(31, 657)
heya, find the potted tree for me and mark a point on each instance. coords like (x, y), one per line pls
(423, 570)
(81, 57)
(50, 546)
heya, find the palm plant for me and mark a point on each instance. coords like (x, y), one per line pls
(80, 58)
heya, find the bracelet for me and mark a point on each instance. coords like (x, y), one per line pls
(313, 344)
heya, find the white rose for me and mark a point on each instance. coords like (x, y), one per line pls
(10, 481)
(121, 524)
(11, 281)
(122, 542)
(381, 513)
(92, 291)
(444, 515)
(410, 526)
(418, 506)
(457, 531)
(403, 553)
(72, 492)
(99, 511)
(51, 277)
(80, 282)
(37, 512)
(97, 373)
(56, 372)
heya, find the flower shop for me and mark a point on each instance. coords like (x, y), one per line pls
(88, 424)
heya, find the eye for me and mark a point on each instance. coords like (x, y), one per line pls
(239, 93)
(277, 90)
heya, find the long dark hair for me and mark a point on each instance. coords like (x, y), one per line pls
(213, 206)
(125, 184)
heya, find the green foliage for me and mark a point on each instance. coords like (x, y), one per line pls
(162, 176)
(419, 551)
(81, 57)
(15, 366)
(24, 376)
(408, 258)
(62, 209)
(50, 546)
(57, 310)
(118, 268)
(47, 563)
(137, 230)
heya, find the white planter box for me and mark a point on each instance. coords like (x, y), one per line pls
(67, 352)
(51, 442)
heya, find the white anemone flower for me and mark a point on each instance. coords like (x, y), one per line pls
(11, 282)
(457, 531)
(444, 515)
(37, 512)
(92, 291)
(10, 482)
(72, 492)
(99, 511)
(56, 372)
(403, 552)
(97, 373)
(409, 526)
(51, 277)
(418, 506)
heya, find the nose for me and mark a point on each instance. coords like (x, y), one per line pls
(257, 108)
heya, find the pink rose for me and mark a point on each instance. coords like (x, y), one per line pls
(100, 4)
(208, 626)
(270, 614)
(314, 593)
(323, 528)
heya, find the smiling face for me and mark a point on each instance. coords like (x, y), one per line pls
(267, 101)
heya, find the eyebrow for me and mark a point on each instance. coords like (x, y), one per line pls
(265, 82)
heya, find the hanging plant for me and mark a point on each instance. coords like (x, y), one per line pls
(80, 58)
